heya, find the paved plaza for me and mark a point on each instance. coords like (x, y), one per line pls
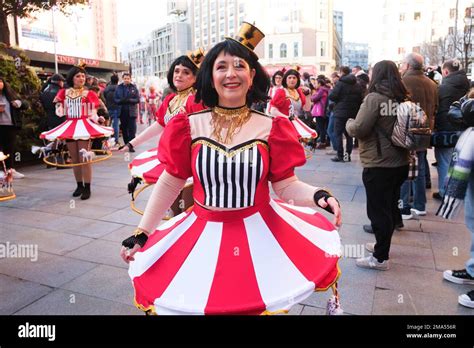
(79, 271)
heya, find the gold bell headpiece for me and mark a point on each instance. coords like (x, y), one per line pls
(196, 56)
(248, 36)
(81, 65)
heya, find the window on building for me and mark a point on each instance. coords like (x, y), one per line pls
(221, 14)
(402, 17)
(213, 41)
(323, 49)
(213, 29)
(417, 16)
(241, 8)
(322, 68)
(213, 6)
(231, 25)
(270, 50)
(213, 18)
(241, 20)
(451, 30)
(401, 50)
(283, 50)
(295, 49)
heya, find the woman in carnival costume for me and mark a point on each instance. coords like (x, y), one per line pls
(237, 251)
(289, 101)
(82, 124)
(181, 78)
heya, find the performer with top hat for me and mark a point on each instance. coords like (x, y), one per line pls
(289, 101)
(82, 124)
(237, 251)
(146, 167)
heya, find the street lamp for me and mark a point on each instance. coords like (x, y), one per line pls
(53, 8)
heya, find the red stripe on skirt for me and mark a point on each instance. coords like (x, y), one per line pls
(69, 132)
(310, 260)
(91, 130)
(151, 176)
(316, 219)
(151, 284)
(235, 286)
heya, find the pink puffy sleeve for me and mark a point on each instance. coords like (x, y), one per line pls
(286, 152)
(175, 147)
(60, 96)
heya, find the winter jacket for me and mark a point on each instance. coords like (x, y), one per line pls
(127, 98)
(423, 91)
(452, 88)
(108, 94)
(347, 95)
(364, 127)
(320, 99)
(46, 98)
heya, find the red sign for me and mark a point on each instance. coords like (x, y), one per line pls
(75, 61)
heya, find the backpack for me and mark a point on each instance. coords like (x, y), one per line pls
(411, 130)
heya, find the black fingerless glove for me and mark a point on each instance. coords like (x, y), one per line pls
(326, 195)
(132, 240)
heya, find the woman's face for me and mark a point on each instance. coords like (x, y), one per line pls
(291, 81)
(232, 78)
(183, 77)
(79, 80)
(278, 80)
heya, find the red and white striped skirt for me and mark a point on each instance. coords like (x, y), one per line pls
(256, 260)
(147, 166)
(77, 129)
(303, 130)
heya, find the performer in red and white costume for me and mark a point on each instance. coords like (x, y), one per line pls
(237, 251)
(289, 102)
(181, 78)
(277, 80)
(82, 124)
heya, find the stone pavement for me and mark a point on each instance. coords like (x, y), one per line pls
(79, 271)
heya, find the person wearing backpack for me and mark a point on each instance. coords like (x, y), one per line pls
(385, 165)
(424, 92)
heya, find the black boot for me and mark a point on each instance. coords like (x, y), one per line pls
(87, 191)
(79, 189)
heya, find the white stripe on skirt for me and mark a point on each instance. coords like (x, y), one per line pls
(195, 276)
(276, 274)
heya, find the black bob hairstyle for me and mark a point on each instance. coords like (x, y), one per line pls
(73, 72)
(294, 73)
(277, 73)
(184, 61)
(206, 92)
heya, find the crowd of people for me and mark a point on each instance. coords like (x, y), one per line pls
(226, 130)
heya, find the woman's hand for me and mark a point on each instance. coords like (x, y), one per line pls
(16, 104)
(101, 120)
(334, 205)
(127, 254)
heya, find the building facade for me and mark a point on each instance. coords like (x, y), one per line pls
(338, 39)
(428, 27)
(139, 59)
(298, 33)
(356, 54)
(168, 43)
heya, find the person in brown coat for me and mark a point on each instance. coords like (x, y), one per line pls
(424, 92)
(385, 165)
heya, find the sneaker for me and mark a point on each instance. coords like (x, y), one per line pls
(337, 159)
(467, 300)
(406, 214)
(370, 247)
(437, 196)
(458, 277)
(372, 263)
(331, 153)
(17, 175)
(418, 212)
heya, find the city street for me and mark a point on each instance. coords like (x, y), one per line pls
(79, 271)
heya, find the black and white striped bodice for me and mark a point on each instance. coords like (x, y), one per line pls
(74, 107)
(229, 177)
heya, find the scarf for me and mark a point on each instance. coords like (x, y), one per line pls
(458, 175)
